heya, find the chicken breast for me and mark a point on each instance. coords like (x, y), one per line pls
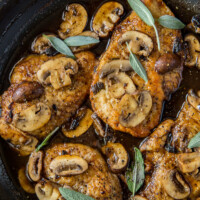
(96, 181)
(119, 96)
(172, 169)
(44, 93)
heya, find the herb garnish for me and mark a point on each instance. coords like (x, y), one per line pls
(80, 41)
(135, 176)
(46, 140)
(137, 66)
(69, 194)
(195, 141)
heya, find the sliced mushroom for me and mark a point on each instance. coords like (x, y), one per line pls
(135, 110)
(137, 197)
(85, 47)
(106, 18)
(34, 167)
(74, 21)
(96, 88)
(42, 45)
(139, 43)
(83, 125)
(57, 72)
(194, 100)
(66, 165)
(117, 156)
(24, 182)
(194, 49)
(188, 162)
(198, 61)
(33, 117)
(98, 125)
(27, 91)
(167, 63)
(196, 23)
(115, 66)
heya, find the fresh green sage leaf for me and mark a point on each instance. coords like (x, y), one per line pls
(77, 41)
(195, 141)
(46, 140)
(137, 66)
(73, 195)
(144, 13)
(135, 176)
(171, 22)
(60, 46)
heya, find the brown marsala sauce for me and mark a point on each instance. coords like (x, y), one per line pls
(191, 78)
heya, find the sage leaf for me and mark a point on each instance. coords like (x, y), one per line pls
(195, 141)
(60, 46)
(77, 41)
(171, 22)
(69, 194)
(144, 13)
(46, 140)
(135, 176)
(137, 66)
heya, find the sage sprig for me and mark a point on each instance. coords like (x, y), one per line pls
(69, 194)
(137, 66)
(195, 141)
(60, 46)
(75, 41)
(135, 176)
(144, 13)
(171, 22)
(46, 140)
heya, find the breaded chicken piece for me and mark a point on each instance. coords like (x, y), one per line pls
(119, 96)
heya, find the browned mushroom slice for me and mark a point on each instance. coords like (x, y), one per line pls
(24, 182)
(57, 72)
(66, 165)
(194, 100)
(139, 43)
(198, 61)
(98, 125)
(175, 185)
(134, 110)
(34, 166)
(117, 156)
(194, 49)
(106, 17)
(196, 23)
(74, 21)
(137, 197)
(84, 122)
(33, 117)
(27, 91)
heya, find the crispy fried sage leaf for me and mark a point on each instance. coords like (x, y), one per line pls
(73, 195)
(77, 41)
(171, 22)
(60, 46)
(46, 140)
(195, 141)
(144, 13)
(137, 66)
(135, 176)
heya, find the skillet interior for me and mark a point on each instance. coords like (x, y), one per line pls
(20, 22)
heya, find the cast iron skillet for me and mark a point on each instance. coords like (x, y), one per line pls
(20, 22)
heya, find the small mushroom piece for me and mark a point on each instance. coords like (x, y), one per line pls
(96, 88)
(175, 185)
(196, 23)
(167, 63)
(74, 21)
(139, 43)
(198, 61)
(194, 50)
(27, 91)
(194, 100)
(84, 124)
(57, 72)
(188, 162)
(135, 110)
(114, 67)
(98, 125)
(24, 182)
(117, 156)
(137, 197)
(106, 18)
(67, 165)
(33, 117)
(34, 167)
